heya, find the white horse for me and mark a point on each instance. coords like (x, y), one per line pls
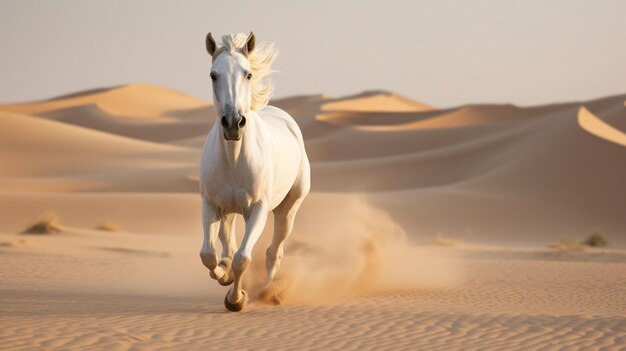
(253, 162)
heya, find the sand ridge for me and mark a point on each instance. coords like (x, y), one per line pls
(594, 125)
(134, 100)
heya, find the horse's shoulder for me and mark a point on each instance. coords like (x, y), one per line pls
(273, 111)
(278, 117)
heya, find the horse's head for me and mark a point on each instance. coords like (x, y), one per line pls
(232, 73)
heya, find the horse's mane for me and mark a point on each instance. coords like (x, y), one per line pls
(261, 60)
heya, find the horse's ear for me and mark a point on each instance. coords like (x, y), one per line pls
(211, 46)
(250, 44)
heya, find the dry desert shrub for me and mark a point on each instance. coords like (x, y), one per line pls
(595, 240)
(48, 224)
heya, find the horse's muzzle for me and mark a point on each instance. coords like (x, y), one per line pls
(233, 127)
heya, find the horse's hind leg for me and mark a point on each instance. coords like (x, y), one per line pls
(223, 271)
(284, 217)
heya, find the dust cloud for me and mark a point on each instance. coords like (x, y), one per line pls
(354, 249)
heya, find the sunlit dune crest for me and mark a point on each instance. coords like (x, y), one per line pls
(134, 100)
(594, 125)
(376, 102)
(459, 117)
(462, 117)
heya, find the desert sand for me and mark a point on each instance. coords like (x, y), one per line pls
(426, 228)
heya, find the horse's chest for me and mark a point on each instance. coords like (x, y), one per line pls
(233, 199)
(234, 192)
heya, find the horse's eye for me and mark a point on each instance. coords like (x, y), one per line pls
(249, 76)
(213, 76)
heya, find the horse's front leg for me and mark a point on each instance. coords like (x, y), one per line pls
(223, 271)
(255, 218)
(211, 226)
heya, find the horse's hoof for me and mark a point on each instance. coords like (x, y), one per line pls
(227, 279)
(218, 273)
(236, 307)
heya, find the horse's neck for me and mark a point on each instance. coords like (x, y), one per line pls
(234, 152)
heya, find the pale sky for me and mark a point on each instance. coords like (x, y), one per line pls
(442, 53)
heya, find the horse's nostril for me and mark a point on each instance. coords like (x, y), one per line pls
(242, 122)
(224, 122)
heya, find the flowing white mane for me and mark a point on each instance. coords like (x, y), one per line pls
(261, 60)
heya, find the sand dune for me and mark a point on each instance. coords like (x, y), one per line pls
(375, 102)
(388, 121)
(138, 111)
(500, 182)
(21, 131)
(159, 130)
(456, 179)
(134, 101)
(32, 146)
